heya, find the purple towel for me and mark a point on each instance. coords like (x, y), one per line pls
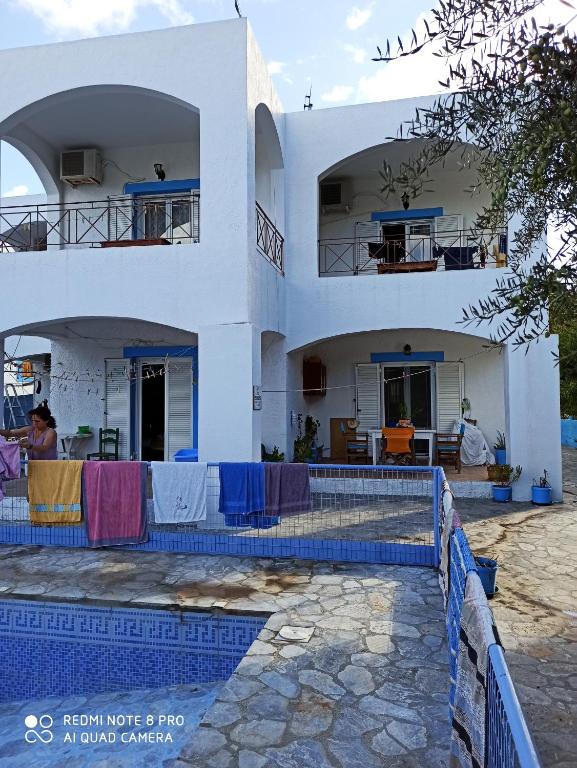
(114, 500)
(9, 461)
(286, 488)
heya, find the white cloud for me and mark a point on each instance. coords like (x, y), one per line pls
(91, 18)
(357, 18)
(338, 93)
(276, 67)
(358, 55)
(417, 75)
(16, 191)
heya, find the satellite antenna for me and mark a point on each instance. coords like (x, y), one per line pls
(308, 105)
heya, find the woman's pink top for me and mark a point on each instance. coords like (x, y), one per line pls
(51, 453)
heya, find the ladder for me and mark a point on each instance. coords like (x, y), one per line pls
(15, 409)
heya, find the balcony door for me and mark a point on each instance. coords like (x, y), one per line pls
(407, 240)
(409, 389)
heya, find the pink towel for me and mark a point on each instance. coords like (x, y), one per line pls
(114, 500)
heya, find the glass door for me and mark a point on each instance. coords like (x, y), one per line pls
(407, 393)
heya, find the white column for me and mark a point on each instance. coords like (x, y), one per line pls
(229, 365)
(274, 398)
(533, 415)
(2, 383)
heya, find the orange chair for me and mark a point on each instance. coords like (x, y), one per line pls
(399, 445)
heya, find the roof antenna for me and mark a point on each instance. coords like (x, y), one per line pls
(308, 103)
(237, 9)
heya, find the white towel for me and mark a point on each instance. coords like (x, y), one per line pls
(179, 491)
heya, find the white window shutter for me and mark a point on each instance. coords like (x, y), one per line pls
(449, 395)
(448, 230)
(179, 405)
(120, 217)
(368, 381)
(366, 232)
(117, 402)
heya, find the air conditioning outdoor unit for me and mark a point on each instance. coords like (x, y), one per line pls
(335, 197)
(81, 166)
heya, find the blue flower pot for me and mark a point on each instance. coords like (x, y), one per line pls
(502, 494)
(487, 570)
(500, 456)
(541, 495)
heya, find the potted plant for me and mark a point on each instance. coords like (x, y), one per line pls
(274, 455)
(305, 447)
(500, 448)
(487, 570)
(403, 414)
(541, 491)
(502, 488)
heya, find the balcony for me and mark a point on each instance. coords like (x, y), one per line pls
(120, 221)
(449, 251)
(269, 241)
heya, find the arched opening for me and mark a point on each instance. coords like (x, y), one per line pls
(363, 230)
(126, 373)
(268, 172)
(269, 188)
(373, 379)
(117, 162)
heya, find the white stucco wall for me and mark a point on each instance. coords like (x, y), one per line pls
(180, 160)
(208, 282)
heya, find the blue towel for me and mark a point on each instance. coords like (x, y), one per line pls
(241, 488)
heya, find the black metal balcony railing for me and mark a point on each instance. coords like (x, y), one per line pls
(448, 251)
(164, 219)
(269, 240)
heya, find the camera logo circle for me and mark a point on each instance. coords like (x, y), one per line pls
(38, 729)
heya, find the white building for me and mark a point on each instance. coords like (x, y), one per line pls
(267, 242)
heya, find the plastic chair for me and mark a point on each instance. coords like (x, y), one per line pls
(108, 444)
(398, 444)
(448, 447)
(358, 448)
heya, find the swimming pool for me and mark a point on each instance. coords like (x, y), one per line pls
(83, 683)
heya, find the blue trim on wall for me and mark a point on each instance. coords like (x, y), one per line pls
(180, 351)
(160, 187)
(400, 357)
(246, 546)
(415, 213)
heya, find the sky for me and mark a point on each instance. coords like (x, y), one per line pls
(323, 44)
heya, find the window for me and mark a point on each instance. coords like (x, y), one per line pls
(408, 389)
(165, 217)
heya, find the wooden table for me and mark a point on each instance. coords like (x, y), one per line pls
(128, 243)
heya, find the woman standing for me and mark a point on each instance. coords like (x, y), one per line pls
(40, 439)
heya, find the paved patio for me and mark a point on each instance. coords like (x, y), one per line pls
(349, 672)
(536, 607)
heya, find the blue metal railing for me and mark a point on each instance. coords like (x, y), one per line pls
(509, 743)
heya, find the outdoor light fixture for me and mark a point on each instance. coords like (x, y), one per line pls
(407, 349)
(405, 200)
(159, 171)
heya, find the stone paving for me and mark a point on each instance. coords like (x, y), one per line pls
(350, 670)
(536, 607)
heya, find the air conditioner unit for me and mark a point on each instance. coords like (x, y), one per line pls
(81, 166)
(335, 197)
